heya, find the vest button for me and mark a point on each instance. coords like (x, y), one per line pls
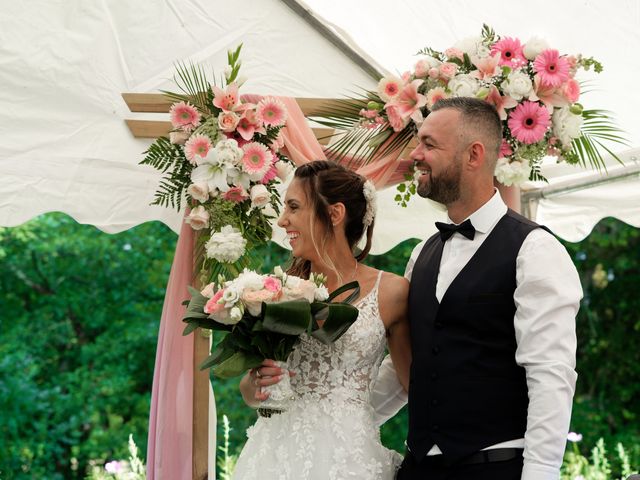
(435, 350)
(434, 402)
(434, 376)
(439, 325)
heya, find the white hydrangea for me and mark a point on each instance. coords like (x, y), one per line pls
(227, 245)
(248, 279)
(463, 85)
(566, 126)
(512, 173)
(229, 152)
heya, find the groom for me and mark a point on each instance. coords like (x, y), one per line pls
(492, 308)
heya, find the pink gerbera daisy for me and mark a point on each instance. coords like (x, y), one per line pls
(236, 194)
(435, 94)
(270, 175)
(184, 116)
(272, 112)
(257, 160)
(510, 51)
(528, 122)
(505, 149)
(389, 88)
(197, 145)
(552, 69)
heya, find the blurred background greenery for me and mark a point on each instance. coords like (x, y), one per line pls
(79, 316)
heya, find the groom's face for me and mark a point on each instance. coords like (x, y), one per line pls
(438, 157)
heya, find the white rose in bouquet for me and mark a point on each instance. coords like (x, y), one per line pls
(512, 173)
(534, 47)
(464, 85)
(260, 196)
(518, 85)
(199, 191)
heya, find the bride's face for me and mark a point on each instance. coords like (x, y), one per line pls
(297, 219)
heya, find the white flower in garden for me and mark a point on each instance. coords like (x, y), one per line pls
(512, 173)
(463, 85)
(198, 218)
(199, 191)
(574, 437)
(566, 126)
(260, 196)
(518, 85)
(227, 245)
(321, 293)
(534, 47)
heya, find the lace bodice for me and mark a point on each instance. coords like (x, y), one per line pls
(346, 369)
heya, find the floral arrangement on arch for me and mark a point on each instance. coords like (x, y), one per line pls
(223, 158)
(532, 85)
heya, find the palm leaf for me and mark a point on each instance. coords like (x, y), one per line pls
(195, 86)
(598, 126)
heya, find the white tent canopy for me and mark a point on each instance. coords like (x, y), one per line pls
(65, 146)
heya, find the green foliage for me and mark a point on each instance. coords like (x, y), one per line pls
(577, 466)
(79, 320)
(607, 402)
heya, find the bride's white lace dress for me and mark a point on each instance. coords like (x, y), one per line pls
(328, 431)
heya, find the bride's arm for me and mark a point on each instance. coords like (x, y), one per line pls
(393, 310)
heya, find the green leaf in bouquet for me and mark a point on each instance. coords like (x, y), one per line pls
(340, 318)
(221, 352)
(355, 286)
(237, 364)
(289, 318)
(191, 326)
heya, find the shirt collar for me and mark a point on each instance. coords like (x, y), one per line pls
(488, 215)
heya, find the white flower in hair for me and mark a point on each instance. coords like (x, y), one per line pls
(369, 192)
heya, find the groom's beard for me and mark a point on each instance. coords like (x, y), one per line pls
(445, 188)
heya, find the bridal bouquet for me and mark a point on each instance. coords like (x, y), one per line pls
(532, 85)
(223, 157)
(265, 315)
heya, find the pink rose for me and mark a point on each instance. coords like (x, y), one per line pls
(272, 284)
(422, 68)
(304, 290)
(228, 121)
(208, 291)
(454, 53)
(433, 73)
(448, 70)
(505, 149)
(253, 300)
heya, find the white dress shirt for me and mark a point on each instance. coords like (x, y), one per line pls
(547, 298)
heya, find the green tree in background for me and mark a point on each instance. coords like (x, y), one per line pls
(79, 317)
(79, 314)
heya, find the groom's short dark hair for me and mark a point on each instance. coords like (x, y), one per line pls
(478, 117)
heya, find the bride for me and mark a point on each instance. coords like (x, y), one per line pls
(328, 432)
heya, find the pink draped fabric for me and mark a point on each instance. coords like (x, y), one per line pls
(169, 448)
(169, 452)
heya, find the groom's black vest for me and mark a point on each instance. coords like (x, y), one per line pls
(466, 390)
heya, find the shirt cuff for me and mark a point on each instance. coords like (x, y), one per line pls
(534, 471)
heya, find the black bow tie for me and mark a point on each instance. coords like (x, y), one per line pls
(466, 228)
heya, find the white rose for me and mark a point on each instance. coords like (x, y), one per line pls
(518, 85)
(512, 173)
(260, 196)
(566, 126)
(199, 191)
(283, 170)
(198, 218)
(233, 154)
(463, 86)
(321, 293)
(248, 279)
(534, 47)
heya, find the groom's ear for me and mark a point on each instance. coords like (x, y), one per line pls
(337, 213)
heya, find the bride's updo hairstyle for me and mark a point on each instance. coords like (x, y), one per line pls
(326, 183)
